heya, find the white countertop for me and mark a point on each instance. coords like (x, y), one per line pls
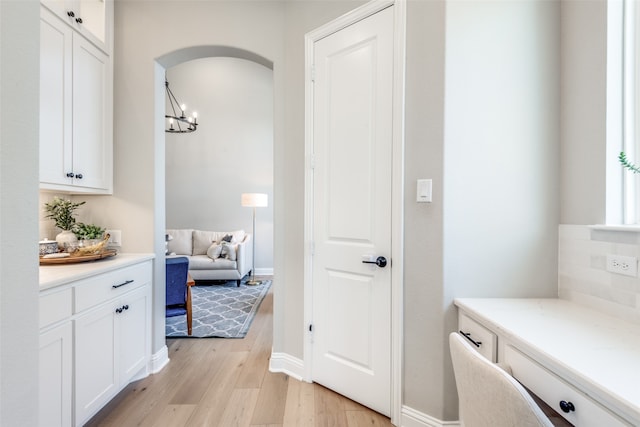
(597, 353)
(60, 274)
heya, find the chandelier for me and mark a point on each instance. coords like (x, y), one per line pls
(178, 122)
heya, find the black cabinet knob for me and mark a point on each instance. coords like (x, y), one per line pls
(125, 307)
(70, 14)
(118, 310)
(70, 174)
(79, 20)
(79, 176)
(566, 407)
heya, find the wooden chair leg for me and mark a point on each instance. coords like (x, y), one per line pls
(189, 312)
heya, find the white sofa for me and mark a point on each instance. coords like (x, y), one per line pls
(209, 257)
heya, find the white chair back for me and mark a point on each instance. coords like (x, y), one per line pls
(489, 396)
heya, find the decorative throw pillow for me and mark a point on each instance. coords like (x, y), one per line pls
(214, 251)
(228, 251)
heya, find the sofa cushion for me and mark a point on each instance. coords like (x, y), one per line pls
(181, 241)
(202, 240)
(203, 262)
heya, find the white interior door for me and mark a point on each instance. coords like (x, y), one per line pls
(352, 182)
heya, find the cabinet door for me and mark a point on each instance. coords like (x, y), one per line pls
(90, 146)
(55, 378)
(95, 25)
(55, 100)
(133, 333)
(95, 360)
(91, 18)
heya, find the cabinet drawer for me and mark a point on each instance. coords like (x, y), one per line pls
(104, 287)
(486, 340)
(54, 307)
(553, 390)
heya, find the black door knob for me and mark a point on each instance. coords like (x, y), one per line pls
(567, 406)
(380, 262)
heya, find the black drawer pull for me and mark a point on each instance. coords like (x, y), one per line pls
(122, 284)
(467, 335)
(567, 406)
(123, 308)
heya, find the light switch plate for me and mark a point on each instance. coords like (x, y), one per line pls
(424, 191)
(115, 238)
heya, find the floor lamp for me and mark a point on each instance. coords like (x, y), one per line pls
(254, 200)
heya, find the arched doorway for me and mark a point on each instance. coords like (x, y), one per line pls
(162, 64)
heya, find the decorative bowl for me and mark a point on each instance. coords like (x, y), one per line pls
(48, 247)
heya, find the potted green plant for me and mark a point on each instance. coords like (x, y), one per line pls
(62, 211)
(88, 233)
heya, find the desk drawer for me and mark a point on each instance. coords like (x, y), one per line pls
(553, 390)
(486, 339)
(101, 288)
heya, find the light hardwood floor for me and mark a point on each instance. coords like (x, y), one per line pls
(226, 382)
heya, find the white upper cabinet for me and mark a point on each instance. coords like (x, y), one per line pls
(91, 18)
(76, 110)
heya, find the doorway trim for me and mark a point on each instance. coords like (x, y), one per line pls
(397, 197)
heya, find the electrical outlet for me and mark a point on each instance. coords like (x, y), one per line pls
(116, 237)
(627, 265)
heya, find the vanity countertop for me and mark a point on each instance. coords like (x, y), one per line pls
(598, 353)
(55, 275)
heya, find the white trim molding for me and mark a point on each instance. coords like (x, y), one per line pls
(287, 364)
(413, 418)
(159, 360)
(264, 271)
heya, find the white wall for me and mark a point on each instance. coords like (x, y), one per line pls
(275, 30)
(583, 111)
(230, 153)
(19, 81)
(501, 149)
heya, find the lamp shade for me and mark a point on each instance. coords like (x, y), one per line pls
(254, 200)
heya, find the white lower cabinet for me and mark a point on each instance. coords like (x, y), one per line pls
(95, 351)
(133, 342)
(56, 378)
(111, 347)
(95, 360)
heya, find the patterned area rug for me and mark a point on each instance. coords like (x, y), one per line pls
(220, 311)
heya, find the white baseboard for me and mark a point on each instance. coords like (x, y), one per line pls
(159, 360)
(287, 364)
(264, 271)
(412, 418)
